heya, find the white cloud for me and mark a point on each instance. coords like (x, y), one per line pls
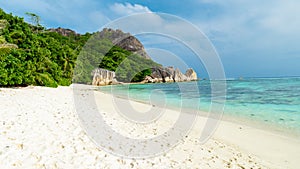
(254, 24)
(128, 9)
(283, 17)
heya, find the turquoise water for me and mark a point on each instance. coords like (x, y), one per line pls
(273, 101)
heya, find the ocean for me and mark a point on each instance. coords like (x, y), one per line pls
(269, 101)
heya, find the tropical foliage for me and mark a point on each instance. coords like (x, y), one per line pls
(31, 55)
(129, 67)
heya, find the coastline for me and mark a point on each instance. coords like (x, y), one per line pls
(242, 120)
(271, 143)
(40, 130)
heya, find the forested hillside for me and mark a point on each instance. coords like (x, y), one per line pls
(100, 51)
(32, 55)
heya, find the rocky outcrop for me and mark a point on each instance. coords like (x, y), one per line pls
(169, 74)
(178, 76)
(102, 77)
(191, 74)
(64, 32)
(160, 75)
(124, 40)
(117, 37)
(130, 43)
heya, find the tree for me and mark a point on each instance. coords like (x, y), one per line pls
(35, 19)
(31, 57)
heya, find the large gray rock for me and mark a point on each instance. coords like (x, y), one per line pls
(102, 77)
(64, 32)
(191, 74)
(178, 76)
(162, 74)
(148, 79)
(125, 41)
(156, 75)
(169, 77)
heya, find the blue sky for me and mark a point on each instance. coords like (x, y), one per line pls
(253, 38)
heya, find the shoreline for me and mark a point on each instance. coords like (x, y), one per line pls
(242, 120)
(44, 131)
(267, 132)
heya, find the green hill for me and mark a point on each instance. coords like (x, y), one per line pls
(32, 55)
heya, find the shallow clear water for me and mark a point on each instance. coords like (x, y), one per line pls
(267, 100)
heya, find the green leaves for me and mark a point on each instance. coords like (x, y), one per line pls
(129, 67)
(30, 57)
(35, 19)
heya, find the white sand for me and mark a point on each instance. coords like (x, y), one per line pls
(39, 128)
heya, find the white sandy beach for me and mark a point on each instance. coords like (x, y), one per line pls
(39, 128)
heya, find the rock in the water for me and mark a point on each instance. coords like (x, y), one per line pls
(191, 74)
(169, 74)
(178, 76)
(102, 77)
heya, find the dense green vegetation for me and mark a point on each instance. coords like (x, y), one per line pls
(100, 52)
(31, 55)
(128, 67)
